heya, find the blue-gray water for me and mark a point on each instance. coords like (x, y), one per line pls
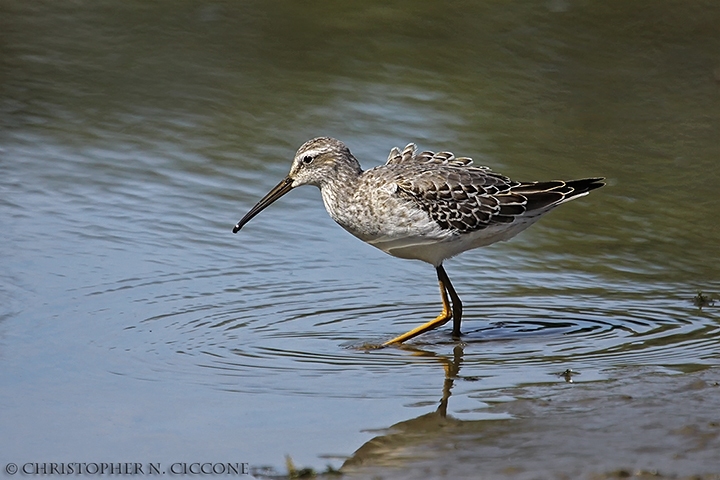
(135, 327)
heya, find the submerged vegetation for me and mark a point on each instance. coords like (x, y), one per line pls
(308, 472)
(703, 300)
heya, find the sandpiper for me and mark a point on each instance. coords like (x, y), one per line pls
(422, 205)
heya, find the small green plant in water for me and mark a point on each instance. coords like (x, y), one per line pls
(703, 300)
(294, 472)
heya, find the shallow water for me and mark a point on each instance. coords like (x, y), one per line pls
(134, 326)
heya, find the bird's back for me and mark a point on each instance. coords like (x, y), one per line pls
(432, 206)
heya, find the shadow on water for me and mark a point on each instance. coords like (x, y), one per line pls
(386, 449)
(589, 428)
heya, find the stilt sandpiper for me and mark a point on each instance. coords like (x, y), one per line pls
(422, 205)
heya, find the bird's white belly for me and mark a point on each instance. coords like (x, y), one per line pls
(434, 249)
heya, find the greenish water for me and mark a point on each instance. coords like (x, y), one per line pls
(135, 327)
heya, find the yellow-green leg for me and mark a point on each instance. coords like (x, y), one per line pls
(448, 312)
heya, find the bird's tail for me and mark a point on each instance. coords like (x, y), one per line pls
(540, 196)
(582, 187)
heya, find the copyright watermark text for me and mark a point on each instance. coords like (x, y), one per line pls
(128, 468)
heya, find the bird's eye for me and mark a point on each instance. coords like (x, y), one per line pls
(307, 159)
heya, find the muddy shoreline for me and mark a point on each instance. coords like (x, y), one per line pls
(645, 422)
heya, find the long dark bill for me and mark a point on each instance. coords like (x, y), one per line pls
(278, 191)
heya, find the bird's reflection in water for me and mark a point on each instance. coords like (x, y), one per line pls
(452, 370)
(390, 447)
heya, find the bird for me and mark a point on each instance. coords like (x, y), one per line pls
(422, 205)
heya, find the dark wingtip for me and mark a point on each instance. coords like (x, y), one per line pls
(585, 185)
(236, 228)
(596, 182)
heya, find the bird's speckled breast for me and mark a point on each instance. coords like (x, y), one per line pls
(372, 209)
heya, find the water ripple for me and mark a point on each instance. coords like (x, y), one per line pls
(281, 333)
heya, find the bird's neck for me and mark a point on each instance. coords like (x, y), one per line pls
(338, 189)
